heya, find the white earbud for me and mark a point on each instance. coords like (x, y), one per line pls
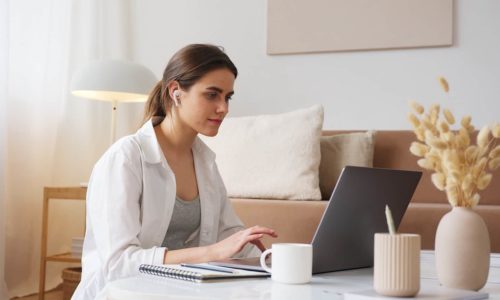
(176, 98)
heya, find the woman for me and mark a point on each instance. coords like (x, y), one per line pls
(156, 196)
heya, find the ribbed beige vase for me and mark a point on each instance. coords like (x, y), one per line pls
(396, 270)
(462, 250)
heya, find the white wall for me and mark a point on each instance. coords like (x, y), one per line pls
(365, 89)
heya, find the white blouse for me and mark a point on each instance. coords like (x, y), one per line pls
(130, 199)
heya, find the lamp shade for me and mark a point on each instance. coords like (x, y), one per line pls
(113, 80)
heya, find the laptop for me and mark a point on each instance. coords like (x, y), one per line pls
(355, 212)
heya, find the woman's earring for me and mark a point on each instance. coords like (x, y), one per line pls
(176, 98)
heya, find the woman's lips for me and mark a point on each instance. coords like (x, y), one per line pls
(215, 121)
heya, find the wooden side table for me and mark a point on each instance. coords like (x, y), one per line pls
(55, 193)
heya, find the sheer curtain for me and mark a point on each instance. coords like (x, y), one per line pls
(52, 138)
(3, 93)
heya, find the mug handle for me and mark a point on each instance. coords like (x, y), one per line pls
(263, 260)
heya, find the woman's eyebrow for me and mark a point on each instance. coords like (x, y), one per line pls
(214, 88)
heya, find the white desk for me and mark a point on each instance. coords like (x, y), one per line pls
(322, 286)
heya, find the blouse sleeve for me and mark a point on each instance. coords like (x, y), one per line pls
(113, 210)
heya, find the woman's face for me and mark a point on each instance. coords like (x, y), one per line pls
(205, 104)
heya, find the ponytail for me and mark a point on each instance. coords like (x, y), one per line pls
(156, 104)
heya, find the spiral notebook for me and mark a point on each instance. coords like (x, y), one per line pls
(198, 272)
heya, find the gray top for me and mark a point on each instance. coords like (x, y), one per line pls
(183, 230)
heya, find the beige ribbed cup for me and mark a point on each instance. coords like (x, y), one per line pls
(396, 264)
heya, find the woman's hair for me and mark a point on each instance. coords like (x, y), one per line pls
(186, 67)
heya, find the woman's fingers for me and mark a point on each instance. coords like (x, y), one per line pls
(251, 238)
(258, 243)
(255, 233)
(259, 229)
(255, 239)
(250, 235)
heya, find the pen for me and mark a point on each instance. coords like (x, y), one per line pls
(209, 267)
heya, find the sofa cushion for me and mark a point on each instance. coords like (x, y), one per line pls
(294, 221)
(340, 150)
(271, 156)
(423, 218)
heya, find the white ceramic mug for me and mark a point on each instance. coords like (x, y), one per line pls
(291, 263)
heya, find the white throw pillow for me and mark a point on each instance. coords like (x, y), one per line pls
(271, 156)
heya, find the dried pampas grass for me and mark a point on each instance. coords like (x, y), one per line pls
(444, 84)
(460, 167)
(496, 131)
(419, 109)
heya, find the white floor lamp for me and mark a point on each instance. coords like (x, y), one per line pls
(114, 81)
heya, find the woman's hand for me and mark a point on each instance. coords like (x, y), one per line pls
(221, 250)
(235, 243)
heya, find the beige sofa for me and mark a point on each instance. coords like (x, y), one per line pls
(296, 221)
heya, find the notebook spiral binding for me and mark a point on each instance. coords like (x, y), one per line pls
(169, 272)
